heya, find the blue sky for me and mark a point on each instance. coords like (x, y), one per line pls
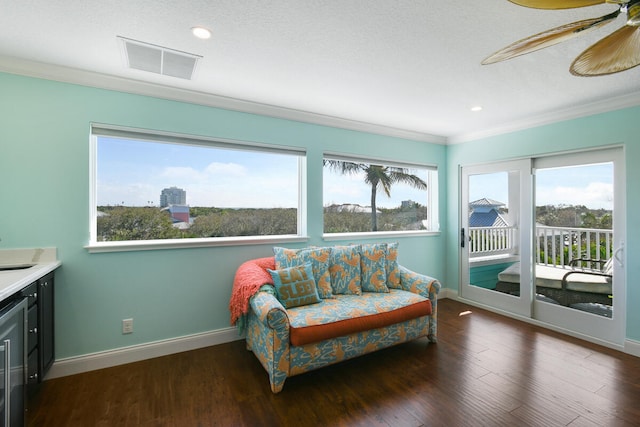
(131, 173)
(589, 185)
(340, 189)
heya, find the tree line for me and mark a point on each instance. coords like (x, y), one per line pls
(147, 223)
(151, 223)
(574, 216)
(118, 223)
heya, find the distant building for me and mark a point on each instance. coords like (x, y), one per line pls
(353, 208)
(407, 204)
(487, 213)
(178, 213)
(173, 196)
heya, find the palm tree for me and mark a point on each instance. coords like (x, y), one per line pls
(377, 176)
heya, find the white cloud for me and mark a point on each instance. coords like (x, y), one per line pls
(134, 194)
(181, 173)
(226, 169)
(594, 195)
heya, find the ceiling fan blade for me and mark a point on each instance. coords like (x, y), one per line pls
(614, 53)
(549, 38)
(558, 4)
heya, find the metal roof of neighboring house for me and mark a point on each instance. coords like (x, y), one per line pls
(487, 219)
(486, 203)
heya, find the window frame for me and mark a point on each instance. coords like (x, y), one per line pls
(102, 130)
(432, 198)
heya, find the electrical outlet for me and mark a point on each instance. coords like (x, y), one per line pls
(127, 326)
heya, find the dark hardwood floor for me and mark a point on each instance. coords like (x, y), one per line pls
(486, 370)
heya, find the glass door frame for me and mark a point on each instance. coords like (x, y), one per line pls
(575, 322)
(520, 305)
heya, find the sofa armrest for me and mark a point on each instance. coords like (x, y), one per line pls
(419, 283)
(427, 287)
(270, 311)
(268, 336)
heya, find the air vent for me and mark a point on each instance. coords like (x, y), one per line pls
(157, 59)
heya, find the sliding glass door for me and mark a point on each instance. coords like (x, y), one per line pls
(543, 238)
(579, 240)
(495, 235)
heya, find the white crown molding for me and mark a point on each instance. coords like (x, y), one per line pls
(24, 67)
(45, 71)
(589, 109)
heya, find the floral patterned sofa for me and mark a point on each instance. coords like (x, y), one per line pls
(303, 309)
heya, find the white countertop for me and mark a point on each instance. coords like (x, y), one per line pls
(12, 281)
(16, 280)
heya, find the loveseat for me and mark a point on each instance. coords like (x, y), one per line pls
(304, 309)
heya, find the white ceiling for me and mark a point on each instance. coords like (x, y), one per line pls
(405, 64)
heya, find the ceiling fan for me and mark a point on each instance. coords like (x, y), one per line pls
(616, 52)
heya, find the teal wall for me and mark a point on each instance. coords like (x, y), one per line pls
(614, 128)
(44, 170)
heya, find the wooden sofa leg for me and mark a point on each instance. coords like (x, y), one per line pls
(276, 387)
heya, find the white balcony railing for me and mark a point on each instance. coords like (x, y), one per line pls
(560, 245)
(554, 245)
(487, 241)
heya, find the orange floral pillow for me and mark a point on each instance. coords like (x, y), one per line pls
(344, 268)
(392, 269)
(373, 261)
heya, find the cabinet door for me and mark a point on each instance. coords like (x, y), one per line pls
(12, 363)
(32, 369)
(45, 325)
(32, 328)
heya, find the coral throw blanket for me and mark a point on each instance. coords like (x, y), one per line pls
(250, 276)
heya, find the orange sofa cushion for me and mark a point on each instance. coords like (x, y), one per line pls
(348, 314)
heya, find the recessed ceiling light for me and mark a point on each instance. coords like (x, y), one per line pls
(476, 108)
(201, 33)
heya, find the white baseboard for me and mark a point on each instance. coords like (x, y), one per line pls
(447, 293)
(632, 347)
(136, 353)
(121, 356)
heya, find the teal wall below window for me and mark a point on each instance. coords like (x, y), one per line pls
(44, 170)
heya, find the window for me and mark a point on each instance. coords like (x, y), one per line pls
(367, 195)
(154, 186)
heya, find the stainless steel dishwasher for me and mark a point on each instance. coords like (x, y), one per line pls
(13, 362)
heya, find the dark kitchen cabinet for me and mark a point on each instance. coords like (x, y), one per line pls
(40, 347)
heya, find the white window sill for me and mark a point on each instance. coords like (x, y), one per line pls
(149, 245)
(378, 235)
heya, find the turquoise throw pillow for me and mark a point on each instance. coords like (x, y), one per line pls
(373, 261)
(295, 286)
(317, 257)
(344, 267)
